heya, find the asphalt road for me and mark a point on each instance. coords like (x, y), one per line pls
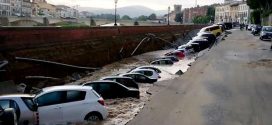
(230, 85)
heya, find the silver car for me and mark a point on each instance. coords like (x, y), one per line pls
(23, 106)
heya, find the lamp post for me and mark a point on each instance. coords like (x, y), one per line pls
(115, 20)
(169, 15)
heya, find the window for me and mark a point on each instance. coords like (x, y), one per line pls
(148, 73)
(29, 103)
(51, 98)
(5, 104)
(73, 96)
(104, 87)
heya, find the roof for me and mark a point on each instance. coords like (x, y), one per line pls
(17, 96)
(118, 77)
(66, 87)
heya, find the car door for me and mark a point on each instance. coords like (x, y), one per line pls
(74, 106)
(50, 107)
(106, 90)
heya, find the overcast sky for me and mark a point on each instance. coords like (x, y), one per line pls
(153, 4)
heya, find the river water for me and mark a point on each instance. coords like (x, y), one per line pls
(122, 111)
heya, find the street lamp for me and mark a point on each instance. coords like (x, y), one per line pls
(115, 20)
(169, 15)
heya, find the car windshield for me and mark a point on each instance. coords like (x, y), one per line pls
(268, 29)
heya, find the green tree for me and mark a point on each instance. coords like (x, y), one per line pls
(179, 17)
(256, 17)
(126, 17)
(153, 16)
(211, 13)
(261, 5)
(201, 20)
(142, 18)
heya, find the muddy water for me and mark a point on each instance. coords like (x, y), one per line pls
(122, 111)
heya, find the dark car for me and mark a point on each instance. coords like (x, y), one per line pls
(146, 67)
(209, 36)
(173, 58)
(228, 25)
(203, 44)
(256, 29)
(8, 116)
(140, 78)
(266, 33)
(126, 81)
(111, 90)
(162, 62)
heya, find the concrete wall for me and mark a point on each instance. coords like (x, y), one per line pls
(93, 47)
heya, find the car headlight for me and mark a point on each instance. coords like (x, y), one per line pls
(263, 33)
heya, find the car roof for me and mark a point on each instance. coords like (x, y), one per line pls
(108, 81)
(116, 77)
(133, 74)
(143, 70)
(162, 60)
(65, 87)
(17, 96)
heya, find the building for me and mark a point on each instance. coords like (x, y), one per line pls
(190, 13)
(228, 1)
(66, 12)
(5, 7)
(44, 9)
(172, 14)
(232, 12)
(21, 8)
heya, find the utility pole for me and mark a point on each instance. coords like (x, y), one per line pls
(115, 20)
(169, 15)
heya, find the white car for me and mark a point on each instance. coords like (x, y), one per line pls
(148, 72)
(69, 104)
(24, 107)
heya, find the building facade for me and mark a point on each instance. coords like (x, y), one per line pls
(5, 8)
(172, 14)
(66, 12)
(232, 12)
(44, 9)
(190, 13)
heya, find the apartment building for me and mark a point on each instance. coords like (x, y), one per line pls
(5, 7)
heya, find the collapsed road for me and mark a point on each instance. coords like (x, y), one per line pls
(229, 85)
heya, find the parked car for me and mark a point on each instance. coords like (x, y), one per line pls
(214, 29)
(209, 36)
(266, 32)
(110, 89)
(162, 62)
(228, 25)
(8, 116)
(24, 107)
(256, 30)
(202, 44)
(126, 81)
(70, 104)
(148, 67)
(140, 78)
(173, 58)
(148, 72)
(177, 53)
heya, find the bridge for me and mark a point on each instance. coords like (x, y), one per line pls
(46, 21)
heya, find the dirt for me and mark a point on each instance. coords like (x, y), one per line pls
(261, 63)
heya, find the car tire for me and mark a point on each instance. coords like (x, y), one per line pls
(261, 38)
(10, 117)
(93, 117)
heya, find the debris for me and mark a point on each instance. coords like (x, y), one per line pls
(54, 63)
(42, 77)
(148, 93)
(3, 63)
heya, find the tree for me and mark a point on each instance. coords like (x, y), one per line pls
(261, 5)
(142, 18)
(211, 13)
(179, 17)
(256, 17)
(126, 17)
(153, 16)
(136, 23)
(92, 22)
(201, 20)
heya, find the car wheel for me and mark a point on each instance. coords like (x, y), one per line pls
(261, 38)
(218, 34)
(93, 117)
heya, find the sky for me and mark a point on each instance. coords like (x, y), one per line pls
(153, 4)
